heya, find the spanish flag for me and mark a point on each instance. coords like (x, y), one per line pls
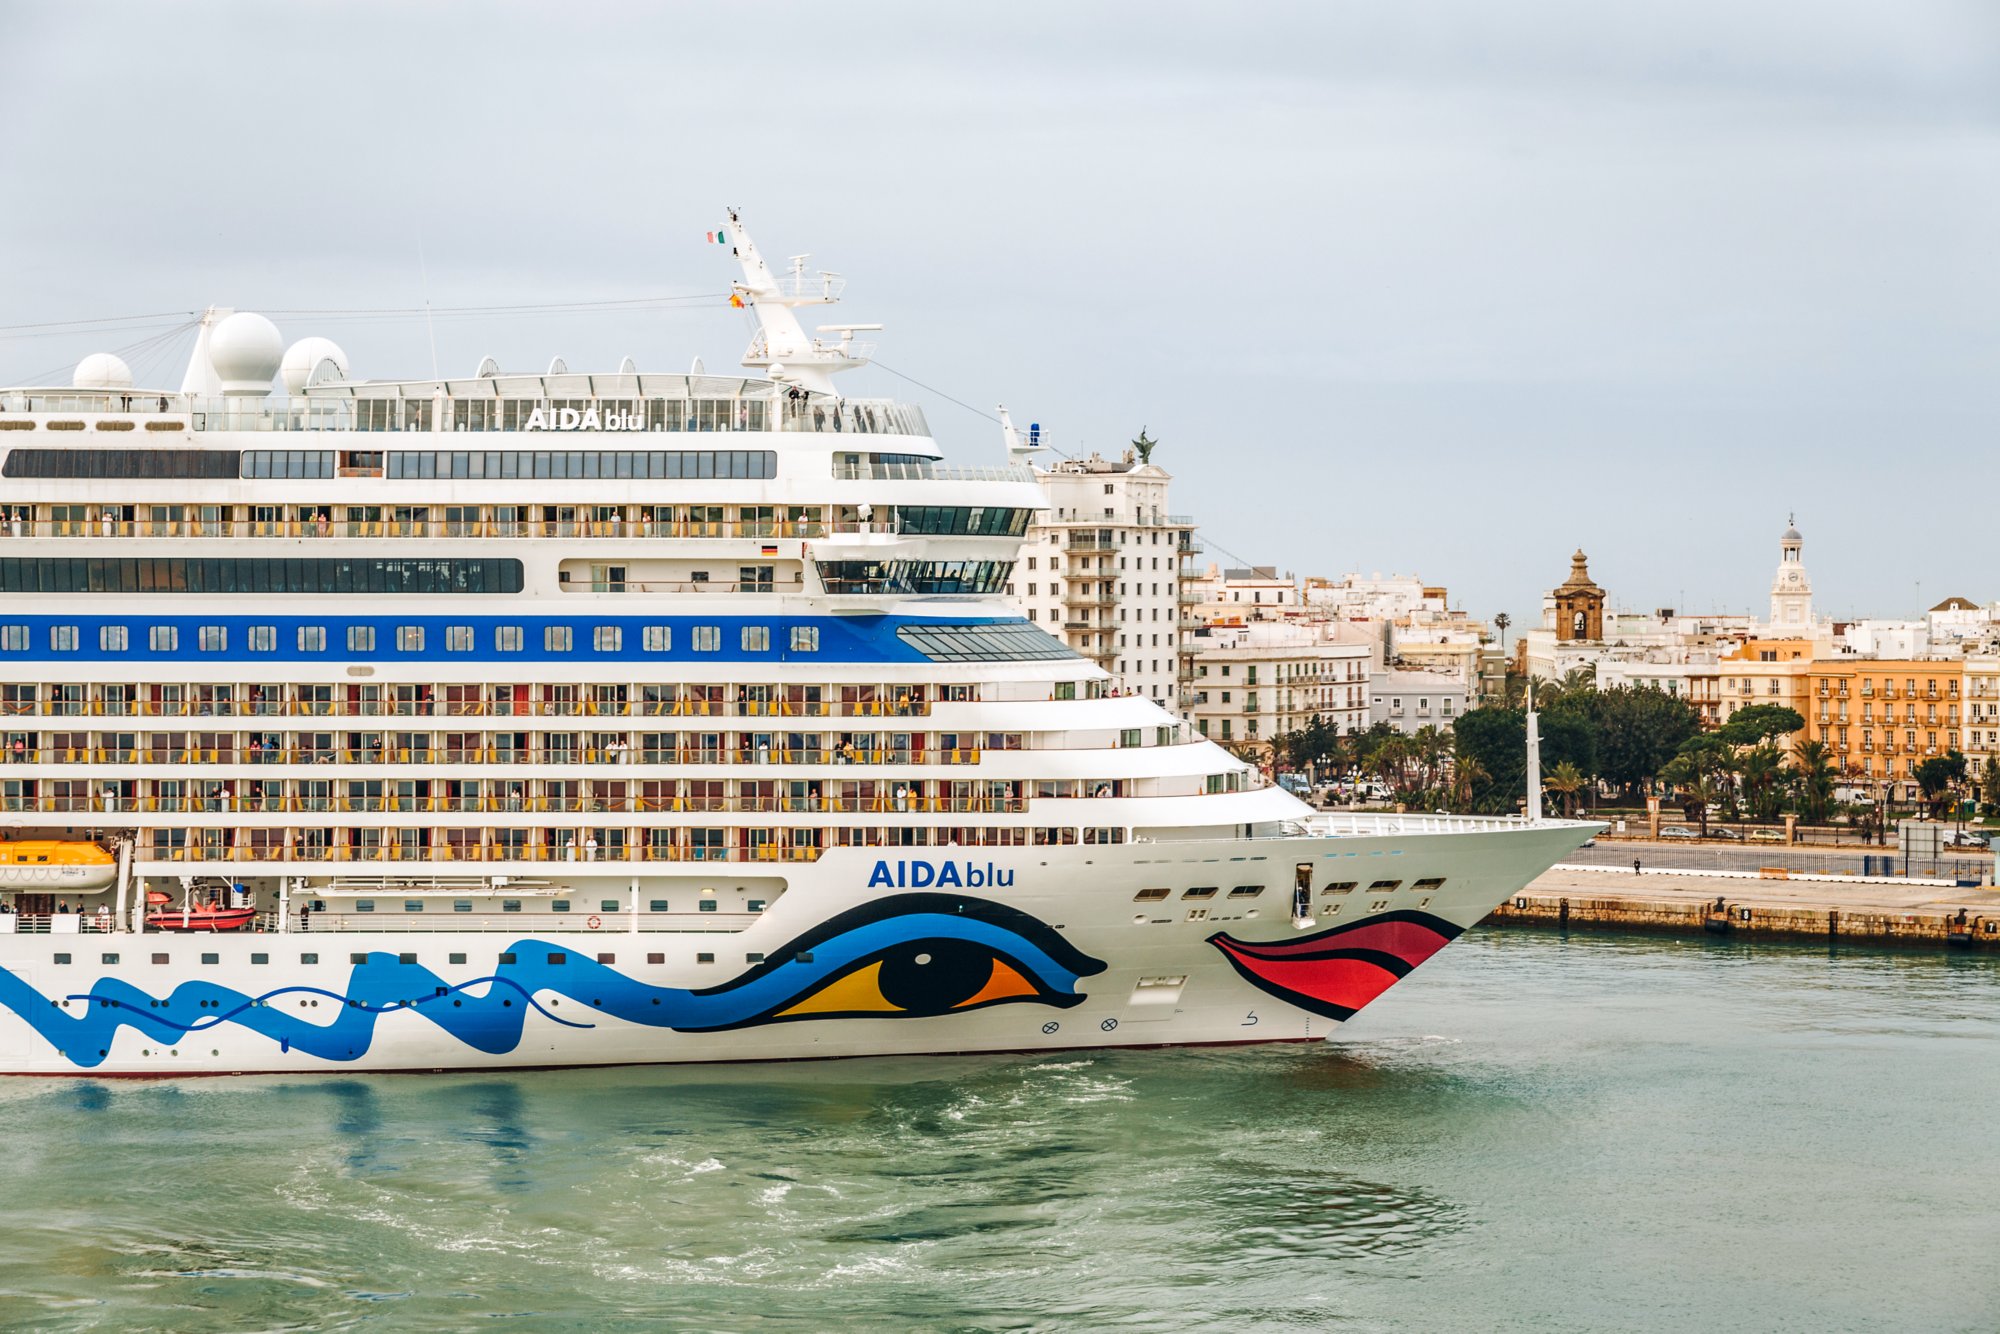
(736, 300)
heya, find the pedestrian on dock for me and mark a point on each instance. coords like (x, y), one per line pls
(1635, 866)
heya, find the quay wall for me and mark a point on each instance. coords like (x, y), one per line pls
(1930, 915)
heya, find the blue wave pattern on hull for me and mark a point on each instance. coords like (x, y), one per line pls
(906, 956)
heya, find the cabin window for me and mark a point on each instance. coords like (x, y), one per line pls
(364, 905)
(754, 956)
(309, 958)
(756, 639)
(510, 905)
(263, 638)
(406, 958)
(557, 638)
(1153, 895)
(559, 905)
(699, 958)
(507, 639)
(1383, 886)
(458, 639)
(211, 958)
(260, 958)
(607, 639)
(360, 639)
(413, 905)
(1338, 887)
(805, 639)
(109, 958)
(656, 958)
(707, 639)
(507, 956)
(212, 638)
(1429, 883)
(161, 958)
(1246, 891)
(312, 639)
(461, 905)
(1200, 892)
(657, 638)
(62, 639)
(409, 639)
(607, 905)
(657, 905)
(162, 638)
(455, 958)
(113, 638)
(558, 957)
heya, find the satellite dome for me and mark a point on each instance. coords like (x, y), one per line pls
(245, 350)
(101, 370)
(303, 358)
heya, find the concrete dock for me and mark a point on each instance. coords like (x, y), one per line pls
(1919, 913)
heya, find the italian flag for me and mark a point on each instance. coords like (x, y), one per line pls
(718, 238)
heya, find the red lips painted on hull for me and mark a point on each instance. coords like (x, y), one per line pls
(1338, 971)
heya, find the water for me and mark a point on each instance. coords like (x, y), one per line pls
(1564, 1134)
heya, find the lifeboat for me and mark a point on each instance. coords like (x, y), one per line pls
(202, 918)
(48, 866)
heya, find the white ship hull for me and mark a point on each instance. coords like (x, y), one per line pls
(1058, 955)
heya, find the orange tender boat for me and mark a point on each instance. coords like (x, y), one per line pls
(201, 919)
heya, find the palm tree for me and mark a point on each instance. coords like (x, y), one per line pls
(1815, 770)
(1467, 773)
(1760, 772)
(1565, 780)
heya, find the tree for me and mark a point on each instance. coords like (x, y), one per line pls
(1490, 747)
(1937, 778)
(1699, 775)
(1989, 785)
(1761, 774)
(1639, 729)
(1814, 764)
(1565, 780)
(1760, 722)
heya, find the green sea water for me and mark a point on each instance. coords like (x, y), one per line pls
(1534, 1132)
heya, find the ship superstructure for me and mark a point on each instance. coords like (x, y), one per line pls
(576, 718)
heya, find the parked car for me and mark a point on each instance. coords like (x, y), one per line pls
(1678, 831)
(1766, 836)
(1968, 839)
(1729, 834)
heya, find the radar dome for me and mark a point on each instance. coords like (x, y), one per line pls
(101, 370)
(304, 357)
(245, 350)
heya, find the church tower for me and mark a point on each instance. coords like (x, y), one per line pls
(1579, 605)
(1791, 588)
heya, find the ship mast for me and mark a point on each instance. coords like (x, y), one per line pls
(781, 345)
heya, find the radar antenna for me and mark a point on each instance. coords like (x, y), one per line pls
(781, 344)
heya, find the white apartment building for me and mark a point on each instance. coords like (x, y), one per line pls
(1256, 593)
(1264, 678)
(1410, 700)
(1102, 567)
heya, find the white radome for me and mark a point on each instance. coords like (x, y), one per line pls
(301, 358)
(245, 350)
(102, 370)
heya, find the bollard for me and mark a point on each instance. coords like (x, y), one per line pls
(1562, 914)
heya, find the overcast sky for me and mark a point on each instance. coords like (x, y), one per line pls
(1443, 287)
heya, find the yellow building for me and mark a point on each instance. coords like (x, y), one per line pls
(1880, 717)
(1763, 671)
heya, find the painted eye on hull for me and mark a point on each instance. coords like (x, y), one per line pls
(909, 956)
(924, 977)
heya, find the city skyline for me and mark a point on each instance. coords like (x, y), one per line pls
(1430, 293)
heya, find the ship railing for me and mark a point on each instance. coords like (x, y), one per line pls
(1362, 824)
(840, 753)
(457, 529)
(928, 472)
(609, 924)
(904, 705)
(60, 924)
(632, 854)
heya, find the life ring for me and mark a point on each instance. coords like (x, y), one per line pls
(593, 921)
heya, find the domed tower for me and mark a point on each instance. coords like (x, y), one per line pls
(1579, 605)
(1791, 587)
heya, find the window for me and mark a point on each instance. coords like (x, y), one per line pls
(656, 905)
(558, 464)
(364, 905)
(263, 638)
(1383, 886)
(113, 638)
(607, 905)
(461, 905)
(507, 956)
(510, 905)
(14, 638)
(707, 639)
(455, 958)
(413, 905)
(607, 958)
(1150, 895)
(557, 638)
(993, 641)
(312, 639)
(260, 958)
(309, 958)
(656, 958)
(756, 639)
(212, 638)
(558, 957)
(805, 639)
(409, 639)
(607, 639)
(109, 958)
(62, 958)
(406, 958)
(62, 639)
(1200, 892)
(657, 638)
(259, 574)
(506, 639)
(1429, 883)
(458, 639)
(360, 639)
(702, 957)
(164, 638)
(121, 463)
(1246, 891)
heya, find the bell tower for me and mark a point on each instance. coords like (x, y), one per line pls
(1579, 605)
(1791, 587)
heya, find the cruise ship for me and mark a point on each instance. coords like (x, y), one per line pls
(572, 719)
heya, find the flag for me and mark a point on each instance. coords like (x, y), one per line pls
(736, 300)
(718, 238)
(769, 549)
